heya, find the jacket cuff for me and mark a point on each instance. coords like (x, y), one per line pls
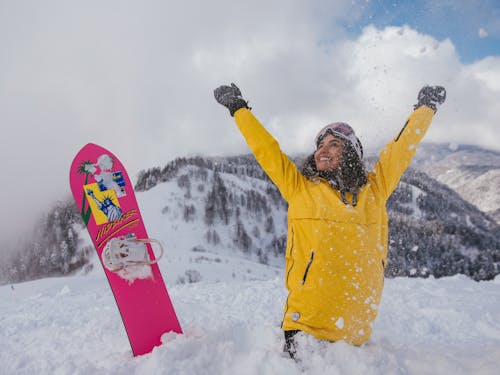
(237, 104)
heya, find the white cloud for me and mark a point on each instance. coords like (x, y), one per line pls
(137, 77)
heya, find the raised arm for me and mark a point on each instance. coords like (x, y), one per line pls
(397, 155)
(280, 169)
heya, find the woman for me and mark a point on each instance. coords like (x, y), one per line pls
(337, 221)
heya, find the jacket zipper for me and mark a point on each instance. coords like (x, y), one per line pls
(288, 275)
(307, 267)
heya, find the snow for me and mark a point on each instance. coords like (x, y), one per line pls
(340, 323)
(72, 325)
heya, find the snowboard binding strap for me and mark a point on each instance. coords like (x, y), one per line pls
(121, 252)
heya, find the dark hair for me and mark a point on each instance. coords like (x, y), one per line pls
(352, 171)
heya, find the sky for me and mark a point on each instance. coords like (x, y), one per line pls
(138, 79)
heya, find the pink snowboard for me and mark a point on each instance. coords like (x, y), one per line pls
(105, 196)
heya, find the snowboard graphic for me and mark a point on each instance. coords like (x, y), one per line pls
(105, 196)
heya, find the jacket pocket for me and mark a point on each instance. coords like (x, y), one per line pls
(307, 267)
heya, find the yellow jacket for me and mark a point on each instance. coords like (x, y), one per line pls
(335, 254)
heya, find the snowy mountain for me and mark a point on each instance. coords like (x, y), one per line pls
(471, 171)
(212, 211)
(433, 231)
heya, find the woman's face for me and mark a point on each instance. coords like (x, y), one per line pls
(328, 156)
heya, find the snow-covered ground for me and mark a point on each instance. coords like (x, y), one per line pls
(72, 326)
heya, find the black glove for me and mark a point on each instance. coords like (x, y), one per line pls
(431, 96)
(230, 97)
